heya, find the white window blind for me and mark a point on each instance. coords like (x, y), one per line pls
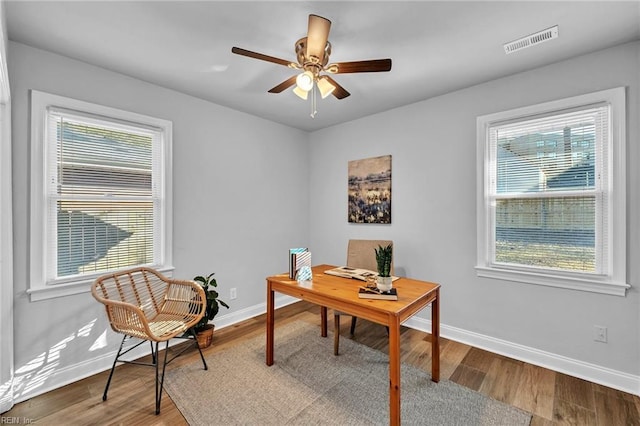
(101, 194)
(547, 180)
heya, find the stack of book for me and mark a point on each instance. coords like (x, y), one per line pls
(374, 293)
(299, 264)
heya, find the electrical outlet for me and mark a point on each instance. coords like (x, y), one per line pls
(232, 293)
(600, 333)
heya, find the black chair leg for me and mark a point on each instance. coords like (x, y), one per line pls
(353, 326)
(155, 356)
(336, 334)
(160, 380)
(193, 333)
(113, 368)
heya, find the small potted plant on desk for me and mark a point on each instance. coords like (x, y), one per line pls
(383, 259)
(204, 330)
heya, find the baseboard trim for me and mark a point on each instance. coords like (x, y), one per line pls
(584, 370)
(222, 321)
(593, 373)
(576, 368)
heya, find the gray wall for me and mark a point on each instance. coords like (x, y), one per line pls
(433, 144)
(235, 179)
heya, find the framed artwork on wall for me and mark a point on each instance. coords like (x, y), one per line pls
(369, 190)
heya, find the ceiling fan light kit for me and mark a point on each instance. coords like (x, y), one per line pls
(312, 53)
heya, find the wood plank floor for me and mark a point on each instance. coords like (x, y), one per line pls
(553, 398)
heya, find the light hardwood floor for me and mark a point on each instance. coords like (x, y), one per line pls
(553, 398)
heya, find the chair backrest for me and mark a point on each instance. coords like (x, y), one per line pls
(361, 254)
(141, 287)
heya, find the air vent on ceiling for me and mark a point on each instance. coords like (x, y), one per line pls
(531, 40)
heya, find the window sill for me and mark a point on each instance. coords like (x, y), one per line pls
(559, 281)
(77, 286)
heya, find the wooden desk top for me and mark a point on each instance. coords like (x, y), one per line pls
(342, 294)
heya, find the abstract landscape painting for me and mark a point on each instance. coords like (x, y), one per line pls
(370, 190)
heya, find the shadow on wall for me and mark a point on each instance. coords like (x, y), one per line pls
(35, 373)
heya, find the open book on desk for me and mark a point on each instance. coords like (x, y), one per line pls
(355, 273)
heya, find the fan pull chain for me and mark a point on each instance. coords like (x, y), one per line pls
(314, 111)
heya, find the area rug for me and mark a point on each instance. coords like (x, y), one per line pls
(309, 385)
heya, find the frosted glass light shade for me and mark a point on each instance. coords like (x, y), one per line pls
(325, 87)
(305, 81)
(301, 93)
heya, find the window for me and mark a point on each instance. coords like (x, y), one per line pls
(100, 193)
(551, 203)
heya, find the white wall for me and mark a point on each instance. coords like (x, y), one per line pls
(235, 214)
(433, 144)
(240, 201)
(6, 231)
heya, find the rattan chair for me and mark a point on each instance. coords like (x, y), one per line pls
(144, 304)
(360, 254)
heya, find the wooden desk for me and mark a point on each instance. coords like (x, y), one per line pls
(342, 294)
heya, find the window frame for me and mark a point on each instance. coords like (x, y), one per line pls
(41, 287)
(614, 283)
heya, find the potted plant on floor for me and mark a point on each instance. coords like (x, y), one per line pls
(204, 330)
(383, 260)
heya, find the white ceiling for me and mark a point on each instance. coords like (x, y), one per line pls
(436, 46)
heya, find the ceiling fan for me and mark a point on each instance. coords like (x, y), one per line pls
(313, 53)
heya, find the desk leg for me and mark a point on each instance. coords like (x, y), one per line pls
(323, 321)
(394, 370)
(435, 338)
(270, 323)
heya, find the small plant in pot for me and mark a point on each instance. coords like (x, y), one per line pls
(204, 330)
(384, 256)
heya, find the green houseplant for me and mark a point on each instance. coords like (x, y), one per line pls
(204, 330)
(384, 255)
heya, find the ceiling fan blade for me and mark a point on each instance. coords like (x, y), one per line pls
(284, 85)
(255, 55)
(339, 91)
(374, 65)
(317, 36)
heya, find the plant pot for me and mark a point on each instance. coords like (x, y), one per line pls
(384, 283)
(205, 336)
